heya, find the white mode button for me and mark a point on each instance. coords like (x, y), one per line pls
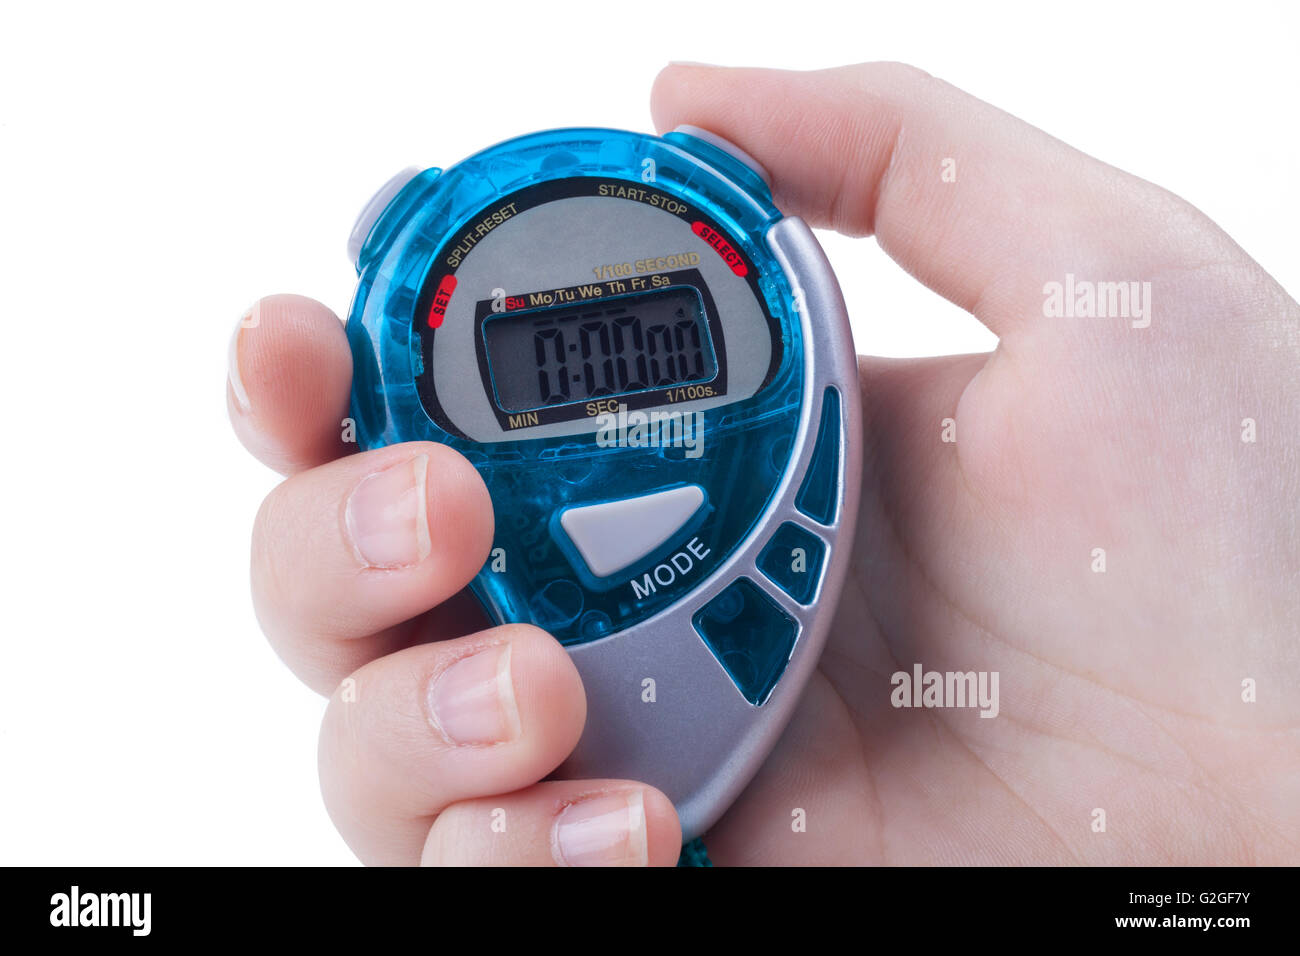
(612, 535)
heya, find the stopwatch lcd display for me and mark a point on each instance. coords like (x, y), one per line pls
(590, 294)
(540, 358)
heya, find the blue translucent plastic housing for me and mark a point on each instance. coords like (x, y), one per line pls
(747, 443)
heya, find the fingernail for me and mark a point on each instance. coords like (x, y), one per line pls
(387, 516)
(232, 374)
(473, 700)
(607, 830)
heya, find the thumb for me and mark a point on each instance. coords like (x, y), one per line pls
(978, 205)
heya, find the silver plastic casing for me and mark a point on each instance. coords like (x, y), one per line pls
(700, 741)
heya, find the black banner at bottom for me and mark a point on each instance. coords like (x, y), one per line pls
(335, 907)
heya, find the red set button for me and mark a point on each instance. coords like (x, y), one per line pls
(441, 298)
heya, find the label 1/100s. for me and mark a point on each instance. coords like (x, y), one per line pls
(633, 343)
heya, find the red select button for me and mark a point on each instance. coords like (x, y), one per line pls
(720, 245)
(438, 310)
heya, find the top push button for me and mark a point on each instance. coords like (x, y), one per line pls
(731, 149)
(368, 216)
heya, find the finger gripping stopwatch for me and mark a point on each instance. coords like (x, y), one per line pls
(652, 370)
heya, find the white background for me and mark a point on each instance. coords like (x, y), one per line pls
(163, 167)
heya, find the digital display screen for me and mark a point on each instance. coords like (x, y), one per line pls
(633, 343)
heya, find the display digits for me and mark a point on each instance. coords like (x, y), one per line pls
(654, 341)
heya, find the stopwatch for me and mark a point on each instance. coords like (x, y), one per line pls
(652, 369)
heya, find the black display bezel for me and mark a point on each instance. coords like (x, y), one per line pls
(643, 398)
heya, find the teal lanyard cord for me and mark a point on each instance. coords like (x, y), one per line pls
(694, 854)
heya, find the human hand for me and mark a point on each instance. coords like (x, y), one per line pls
(1120, 690)
(432, 740)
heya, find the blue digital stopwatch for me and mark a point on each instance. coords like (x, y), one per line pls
(652, 370)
